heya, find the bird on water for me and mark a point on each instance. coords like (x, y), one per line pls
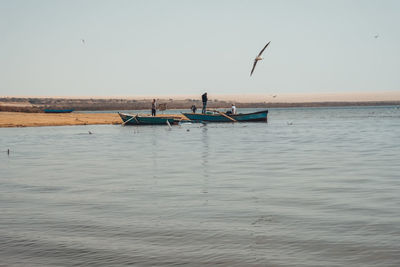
(258, 58)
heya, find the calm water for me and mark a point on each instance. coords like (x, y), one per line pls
(313, 187)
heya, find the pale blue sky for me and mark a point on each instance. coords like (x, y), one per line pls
(187, 47)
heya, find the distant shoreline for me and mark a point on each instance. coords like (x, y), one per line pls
(270, 97)
(18, 104)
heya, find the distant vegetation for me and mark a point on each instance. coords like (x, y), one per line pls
(39, 104)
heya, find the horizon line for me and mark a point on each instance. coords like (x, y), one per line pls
(251, 97)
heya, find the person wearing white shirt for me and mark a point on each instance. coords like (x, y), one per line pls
(233, 109)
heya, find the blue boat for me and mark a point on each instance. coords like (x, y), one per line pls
(129, 119)
(58, 110)
(217, 116)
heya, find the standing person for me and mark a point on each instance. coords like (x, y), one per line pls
(204, 99)
(233, 109)
(193, 108)
(153, 107)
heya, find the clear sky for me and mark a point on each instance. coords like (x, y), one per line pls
(188, 47)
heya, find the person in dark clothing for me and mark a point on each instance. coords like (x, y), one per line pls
(193, 108)
(204, 99)
(153, 107)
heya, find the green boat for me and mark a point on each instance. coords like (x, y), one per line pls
(58, 110)
(129, 119)
(218, 116)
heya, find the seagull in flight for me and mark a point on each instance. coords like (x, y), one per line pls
(376, 36)
(258, 58)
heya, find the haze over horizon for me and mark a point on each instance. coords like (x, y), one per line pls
(128, 48)
(255, 98)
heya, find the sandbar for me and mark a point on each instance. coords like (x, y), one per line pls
(21, 119)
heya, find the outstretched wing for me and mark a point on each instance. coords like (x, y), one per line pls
(254, 66)
(263, 49)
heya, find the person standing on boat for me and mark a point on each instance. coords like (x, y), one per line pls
(153, 107)
(233, 109)
(193, 108)
(204, 99)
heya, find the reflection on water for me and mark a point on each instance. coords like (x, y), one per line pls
(322, 191)
(204, 158)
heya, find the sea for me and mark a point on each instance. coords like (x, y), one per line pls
(312, 187)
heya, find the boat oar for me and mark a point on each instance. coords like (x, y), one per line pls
(223, 114)
(133, 117)
(169, 125)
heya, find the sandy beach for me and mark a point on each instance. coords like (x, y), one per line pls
(20, 119)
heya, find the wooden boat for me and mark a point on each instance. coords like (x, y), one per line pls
(218, 116)
(129, 119)
(58, 110)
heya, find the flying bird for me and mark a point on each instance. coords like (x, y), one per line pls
(83, 41)
(258, 58)
(376, 36)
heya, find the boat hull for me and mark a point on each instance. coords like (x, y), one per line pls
(129, 119)
(58, 110)
(260, 116)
